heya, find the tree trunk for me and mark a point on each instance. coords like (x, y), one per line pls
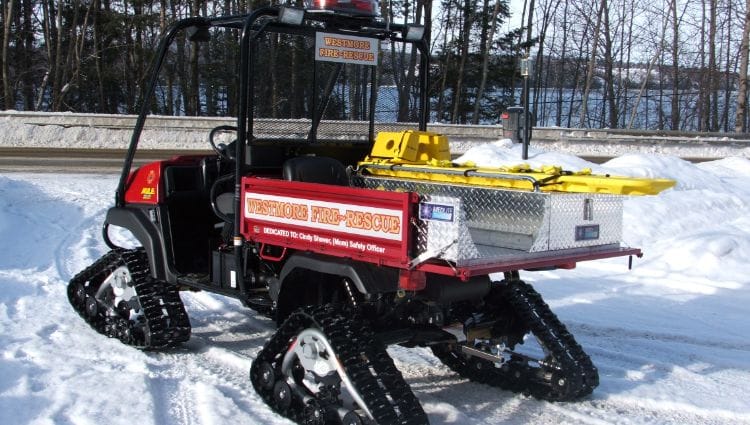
(8, 95)
(404, 90)
(562, 68)
(75, 51)
(660, 116)
(440, 109)
(659, 49)
(98, 49)
(47, 32)
(675, 115)
(27, 78)
(608, 69)
(63, 67)
(487, 44)
(727, 69)
(703, 97)
(740, 125)
(458, 87)
(591, 65)
(629, 48)
(541, 82)
(712, 69)
(195, 101)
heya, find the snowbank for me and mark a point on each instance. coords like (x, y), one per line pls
(670, 337)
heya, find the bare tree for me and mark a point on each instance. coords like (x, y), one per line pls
(675, 115)
(659, 48)
(592, 62)
(712, 68)
(611, 102)
(487, 41)
(561, 68)
(448, 15)
(8, 96)
(548, 10)
(57, 86)
(740, 125)
(468, 21)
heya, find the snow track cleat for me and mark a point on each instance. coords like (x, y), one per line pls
(324, 365)
(118, 298)
(557, 369)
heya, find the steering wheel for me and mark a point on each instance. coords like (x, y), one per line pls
(225, 152)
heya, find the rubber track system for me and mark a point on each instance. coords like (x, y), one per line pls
(567, 372)
(362, 356)
(163, 321)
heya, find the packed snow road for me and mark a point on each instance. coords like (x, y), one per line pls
(670, 337)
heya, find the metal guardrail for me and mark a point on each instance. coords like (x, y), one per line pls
(608, 142)
(266, 126)
(182, 123)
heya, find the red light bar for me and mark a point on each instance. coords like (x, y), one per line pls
(350, 7)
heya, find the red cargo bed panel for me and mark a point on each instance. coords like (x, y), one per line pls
(369, 225)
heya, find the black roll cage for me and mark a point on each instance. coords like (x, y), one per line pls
(253, 25)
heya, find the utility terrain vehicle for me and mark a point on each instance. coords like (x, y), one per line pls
(330, 208)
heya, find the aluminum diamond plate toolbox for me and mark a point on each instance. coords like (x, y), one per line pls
(472, 225)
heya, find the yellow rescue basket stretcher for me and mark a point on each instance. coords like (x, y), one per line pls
(422, 155)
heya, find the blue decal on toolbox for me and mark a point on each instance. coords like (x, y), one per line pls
(436, 212)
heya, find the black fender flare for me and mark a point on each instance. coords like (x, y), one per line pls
(367, 278)
(148, 235)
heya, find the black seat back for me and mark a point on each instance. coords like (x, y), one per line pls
(315, 169)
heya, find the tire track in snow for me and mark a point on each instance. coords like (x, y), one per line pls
(212, 368)
(448, 398)
(205, 384)
(636, 410)
(171, 399)
(626, 349)
(629, 333)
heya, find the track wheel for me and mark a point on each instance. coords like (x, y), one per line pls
(267, 377)
(77, 294)
(317, 413)
(352, 418)
(331, 362)
(282, 395)
(92, 308)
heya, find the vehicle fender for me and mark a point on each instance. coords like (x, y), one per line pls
(367, 278)
(146, 232)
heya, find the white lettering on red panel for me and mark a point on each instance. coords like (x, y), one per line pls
(374, 222)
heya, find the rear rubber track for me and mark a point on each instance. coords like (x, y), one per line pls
(365, 360)
(162, 322)
(566, 373)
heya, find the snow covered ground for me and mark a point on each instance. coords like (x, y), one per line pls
(671, 337)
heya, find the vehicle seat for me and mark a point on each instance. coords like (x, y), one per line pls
(315, 169)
